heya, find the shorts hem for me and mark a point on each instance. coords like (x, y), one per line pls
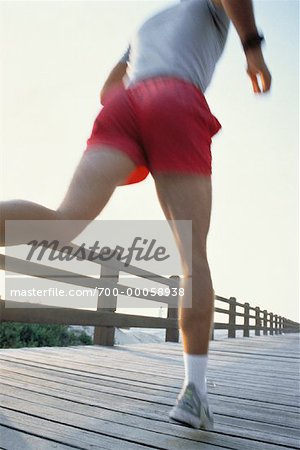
(180, 172)
(115, 147)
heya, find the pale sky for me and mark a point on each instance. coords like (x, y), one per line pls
(55, 56)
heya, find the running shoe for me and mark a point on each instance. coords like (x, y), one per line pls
(192, 410)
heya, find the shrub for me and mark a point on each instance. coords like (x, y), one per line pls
(16, 335)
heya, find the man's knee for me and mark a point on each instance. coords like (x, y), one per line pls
(196, 264)
(69, 224)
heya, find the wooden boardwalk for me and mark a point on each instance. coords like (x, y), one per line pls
(119, 398)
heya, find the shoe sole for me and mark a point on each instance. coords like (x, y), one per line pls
(179, 415)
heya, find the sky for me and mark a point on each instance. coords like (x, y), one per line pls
(55, 57)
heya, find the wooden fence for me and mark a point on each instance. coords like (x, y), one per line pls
(252, 318)
(106, 319)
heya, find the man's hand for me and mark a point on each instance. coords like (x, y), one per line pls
(258, 71)
(242, 16)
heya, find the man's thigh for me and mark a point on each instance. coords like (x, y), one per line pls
(187, 197)
(97, 175)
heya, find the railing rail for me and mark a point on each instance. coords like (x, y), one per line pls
(263, 321)
(106, 319)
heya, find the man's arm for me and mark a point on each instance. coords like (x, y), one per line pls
(114, 79)
(240, 12)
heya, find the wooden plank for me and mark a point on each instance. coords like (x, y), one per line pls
(120, 266)
(275, 356)
(71, 375)
(151, 408)
(281, 403)
(92, 431)
(289, 344)
(168, 436)
(33, 269)
(109, 371)
(161, 350)
(128, 363)
(285, 349)
(221, 420)
(232, 354)
(225, 425)
(20, 266)
(133, 387)
(77, 438)
(66, 316)
(120, 370)
(125, 376)
(119, 367)
(93, 363)
(217, 358)
(103, 384)
(12, 439)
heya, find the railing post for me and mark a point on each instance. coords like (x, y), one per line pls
(257, 321)
(276, 323)
(265, 332)
(172, 334)
(2, 309)
(212, 325)
(246, 319)
(271, 324)
(283, 325)
(280, 324)
(212, 332)
(106, 335)
(232, 317)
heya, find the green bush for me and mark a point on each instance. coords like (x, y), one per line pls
(16, 335)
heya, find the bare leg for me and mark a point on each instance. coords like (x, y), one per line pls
(188, 197)
(93, 183)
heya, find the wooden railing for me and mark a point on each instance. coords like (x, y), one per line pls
(253, 318)
(105, 319)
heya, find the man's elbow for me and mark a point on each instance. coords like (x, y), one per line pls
(102, 95)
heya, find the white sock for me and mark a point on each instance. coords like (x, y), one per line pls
(195, 370)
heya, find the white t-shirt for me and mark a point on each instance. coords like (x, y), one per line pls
(185, 41)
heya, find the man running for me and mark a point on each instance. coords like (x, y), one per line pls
(161, 123)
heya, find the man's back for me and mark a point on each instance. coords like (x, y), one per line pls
(185, 40)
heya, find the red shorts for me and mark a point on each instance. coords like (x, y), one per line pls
(163, 124)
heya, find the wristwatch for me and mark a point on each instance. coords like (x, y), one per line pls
(252, 41)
